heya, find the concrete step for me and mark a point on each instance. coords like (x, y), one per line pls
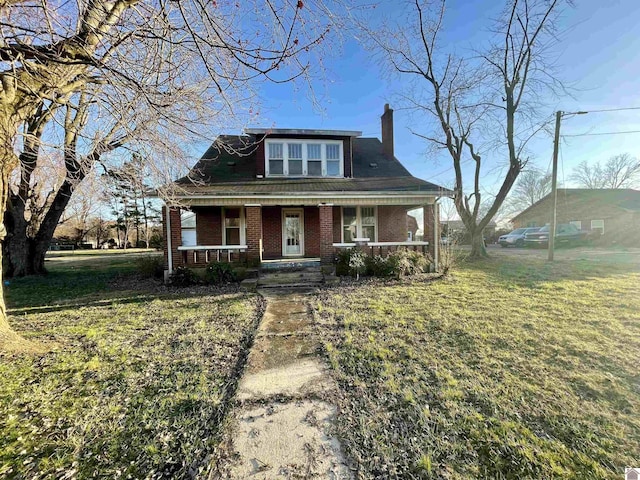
(307, 277)
(289, 264)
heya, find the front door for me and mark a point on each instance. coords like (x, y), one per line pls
(292, 232)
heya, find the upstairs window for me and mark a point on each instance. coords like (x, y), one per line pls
(295, 159)
(333, 160)
(276, 158)
(314, 159)
(304, 158)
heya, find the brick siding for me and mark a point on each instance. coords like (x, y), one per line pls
(254, 233)
(392, 223)
(311, 232)
(326, 233)
(176, 236)
(272, 231)
(337, 224)
(209, 225)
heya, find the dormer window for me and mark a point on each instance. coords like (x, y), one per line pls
(304, 158)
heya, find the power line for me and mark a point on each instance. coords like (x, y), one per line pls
(601, 133)
(613, 109)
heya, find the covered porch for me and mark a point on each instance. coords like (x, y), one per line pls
(292, 228)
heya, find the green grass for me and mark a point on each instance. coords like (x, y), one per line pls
(510, 368)
(137, 381)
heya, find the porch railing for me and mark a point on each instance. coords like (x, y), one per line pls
(208, 250)
(383, 246)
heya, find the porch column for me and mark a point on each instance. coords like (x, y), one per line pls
(326, 233)
(431, 230)
(172, 233)
(253, 218)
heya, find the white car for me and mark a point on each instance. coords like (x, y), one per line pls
(516, 237)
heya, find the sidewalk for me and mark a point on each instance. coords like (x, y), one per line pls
(283, 422)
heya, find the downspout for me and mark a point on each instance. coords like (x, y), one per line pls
(169, 246)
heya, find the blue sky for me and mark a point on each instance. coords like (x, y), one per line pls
(598, 58)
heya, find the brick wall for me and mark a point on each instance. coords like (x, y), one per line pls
(253, 215)
(326, 233)
(272, 232)
(392, 223)
(311, 232)
(337, 224)
(209, 225)
(176, 235)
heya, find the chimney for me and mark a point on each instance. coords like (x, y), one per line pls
(387, 131)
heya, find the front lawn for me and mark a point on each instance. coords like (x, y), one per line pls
(137, 380)
(510, 368)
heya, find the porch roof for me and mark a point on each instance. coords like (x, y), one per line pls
(285, 186)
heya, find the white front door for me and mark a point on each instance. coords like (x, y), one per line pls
(292, 232)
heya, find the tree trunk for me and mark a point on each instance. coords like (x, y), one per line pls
(24, 255)
(478, 248)
(15, 246)
(10, 341)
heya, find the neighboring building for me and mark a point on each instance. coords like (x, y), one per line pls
(280, 193)
(412, 228)
(456, 228)
(614, 212)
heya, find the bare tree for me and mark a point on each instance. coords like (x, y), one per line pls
(532, 186)
(62, 63)
(485, 103)
(620, 171)
(84, 207)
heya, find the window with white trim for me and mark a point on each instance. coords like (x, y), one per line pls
(188, 228)
(304, 158)
(598, 225)
(359, 222)
(275, 151)
(234, 226)
(577, 223)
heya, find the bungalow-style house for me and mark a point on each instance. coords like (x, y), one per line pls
(615, 213)
(288, 193)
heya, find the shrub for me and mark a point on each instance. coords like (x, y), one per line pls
(217, 273)
(378, 266)
(356, 262)
(183, 277)
(156, 241)
(408, 262)
(150, 266)
(399, 263)
(342, 262)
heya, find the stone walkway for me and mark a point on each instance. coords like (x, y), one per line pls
(283, 420)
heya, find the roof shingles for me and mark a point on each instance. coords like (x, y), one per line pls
(229, 166)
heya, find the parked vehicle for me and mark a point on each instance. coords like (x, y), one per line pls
(566, 234)
(516, 237)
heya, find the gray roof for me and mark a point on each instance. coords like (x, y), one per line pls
(623, 198)
(229, 165)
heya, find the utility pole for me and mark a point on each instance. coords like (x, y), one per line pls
(554, 181)
(554, 187)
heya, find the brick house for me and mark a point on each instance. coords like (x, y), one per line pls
(286, 193)
(614, 212)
